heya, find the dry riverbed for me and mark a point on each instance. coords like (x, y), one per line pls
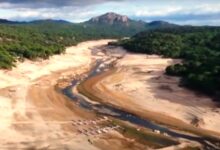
(142, 81)
(34, 115)
(139, 85)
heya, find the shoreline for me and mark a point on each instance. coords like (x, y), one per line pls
(34, 113)
(38, 116)
(89, 89)
(28, 71)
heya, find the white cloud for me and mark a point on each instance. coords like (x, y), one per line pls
(170, 10)
(206, 8)
(73, 14)
(157, 12)
(5, 5)
(35, 4)
(194, 11)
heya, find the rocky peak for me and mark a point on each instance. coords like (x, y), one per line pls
(110, 18)
(160, 23)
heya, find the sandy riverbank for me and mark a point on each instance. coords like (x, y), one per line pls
(34, 115)
(145, 81)
(140, 86)
(28, 71)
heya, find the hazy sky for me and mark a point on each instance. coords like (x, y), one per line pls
(196, 12)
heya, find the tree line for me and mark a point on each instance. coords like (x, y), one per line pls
(199, 47)
(45, 38)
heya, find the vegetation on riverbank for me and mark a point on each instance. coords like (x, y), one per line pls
(89, 89)
(41, 39)
(198, 46)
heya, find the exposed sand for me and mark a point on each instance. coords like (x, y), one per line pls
(140, 85)
(27, 71)
(33, 114)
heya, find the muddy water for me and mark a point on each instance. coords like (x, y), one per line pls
(107, 110)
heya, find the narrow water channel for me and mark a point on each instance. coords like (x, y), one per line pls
(107, 110)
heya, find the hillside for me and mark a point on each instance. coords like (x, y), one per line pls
(43, 38)
(110, 19)
(116, 22)
(197, 46)
(160, 24)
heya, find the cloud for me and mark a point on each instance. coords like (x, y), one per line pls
(34, 4)
(71, 10)
(157, 12)
(170, 10)
(193, 19)
(208, 14)
(183, 12)
(64, 13)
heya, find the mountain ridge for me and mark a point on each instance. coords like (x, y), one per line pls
(6, 21)
(50, 21)
(160, 23)
(109, 18)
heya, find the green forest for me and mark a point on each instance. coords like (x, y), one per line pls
(41, 39)
(199, 47)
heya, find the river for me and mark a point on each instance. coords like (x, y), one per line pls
(108, 110)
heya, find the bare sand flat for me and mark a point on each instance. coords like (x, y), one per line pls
(30, 70)
(140, 85)
(33, 114)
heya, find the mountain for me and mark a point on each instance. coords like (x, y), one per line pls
(43, 38)
(45, 21)
(49, 21)
(124, 23)
(117, 23)
(5, 21)
(110, 19)
(160, 24)
(114, 19)
(109, 24)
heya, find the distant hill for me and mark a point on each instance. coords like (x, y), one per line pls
(110, 19)
(160, 24)
(49, 21)
(5, 21)
(43, 38)
(46, 21)
(120, 23)
(124, 23)
(113, 19)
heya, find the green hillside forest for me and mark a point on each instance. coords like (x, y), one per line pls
(41, 39)
(199, 47)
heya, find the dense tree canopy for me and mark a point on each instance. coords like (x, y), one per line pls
(41, 39)
(199, 47)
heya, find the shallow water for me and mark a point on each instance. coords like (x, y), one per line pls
(107, 110)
